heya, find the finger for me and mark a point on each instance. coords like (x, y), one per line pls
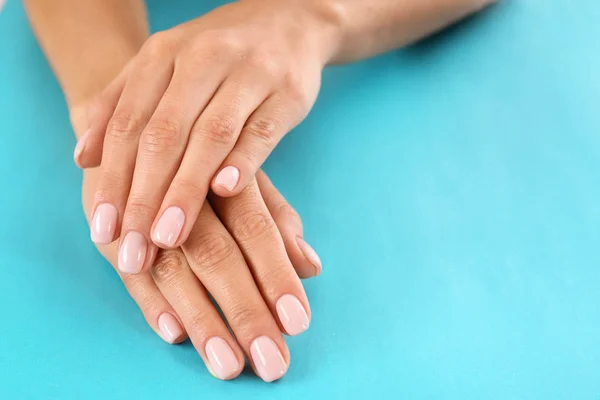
(141, 94)
(212, 137)
(261, 133)
(159, 314)
(218, 263)
(88, 152)
(305, 260)
(161, 148)
(207, 330)
(252, 227)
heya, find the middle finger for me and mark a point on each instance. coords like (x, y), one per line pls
(217, 261)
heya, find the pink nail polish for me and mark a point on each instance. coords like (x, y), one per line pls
(168, 227)
(292, 315)
(223, 362)
(169, 327)
(268, 361)
(132, 253)
(228, 178)
(102, 228)
(80, 147)
(310, 254)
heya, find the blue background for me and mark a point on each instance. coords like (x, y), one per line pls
(452, 190)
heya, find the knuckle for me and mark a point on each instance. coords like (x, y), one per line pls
(190, 188)
(167, 266)
(264, 129)
(124, 126)
(250, 224)
(244, 315)
(131, 281)
(273, 280)
(200, 320)
(219, 129)
(138, 210)
(210, 250)
(199, 55)
(110, 182)
(288, 212)
(162, 134)
(266, 63)
(296, 91)
(157, 45)
(223, 39)
(214, 46)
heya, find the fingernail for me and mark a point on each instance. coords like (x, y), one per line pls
(223, 362)
(102, 229)
(310, 254)
(228, 178)
(169, 327)
(132, 253)
(80, 147)
(169, 226)
(267, 359)
(292, 315)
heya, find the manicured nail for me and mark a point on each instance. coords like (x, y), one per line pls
(169, 226)
(169, 327)
(267, 359)
(228, 178)
(292, 315)
(80, 147)
(102, 229)
(132, 253)
(223, 362)
(310, 254)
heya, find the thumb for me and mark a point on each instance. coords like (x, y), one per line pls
(90, 120)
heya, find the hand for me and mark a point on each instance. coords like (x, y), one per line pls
(252, 281)
(213, 94)
(242, 262)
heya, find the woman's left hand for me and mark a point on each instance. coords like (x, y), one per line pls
(201, 107)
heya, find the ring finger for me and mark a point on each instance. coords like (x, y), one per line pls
(217, 261)
(248, 219)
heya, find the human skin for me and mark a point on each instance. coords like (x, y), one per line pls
(248, 258)
(203, 104)
(284, 44)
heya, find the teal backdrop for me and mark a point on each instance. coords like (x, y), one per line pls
(452, 190)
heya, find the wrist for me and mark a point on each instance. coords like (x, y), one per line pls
(329, 17)
(96, 73)
(318, 23)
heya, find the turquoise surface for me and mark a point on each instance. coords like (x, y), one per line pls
(452, 190)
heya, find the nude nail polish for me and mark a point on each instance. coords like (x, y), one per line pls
(132, 253)
(228, 178)
(170, 328)
(80, 147)
(292, 315)
(168, 227)
(223, 362)
(310, 254)
(104, 221)
(267, 358)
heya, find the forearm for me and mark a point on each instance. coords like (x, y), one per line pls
(367, 28)
(87, 42)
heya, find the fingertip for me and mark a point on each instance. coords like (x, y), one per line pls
(80, 148)
(304, 268)
(169, 228)
(170, 329)
(227, 182)
(311, 255)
